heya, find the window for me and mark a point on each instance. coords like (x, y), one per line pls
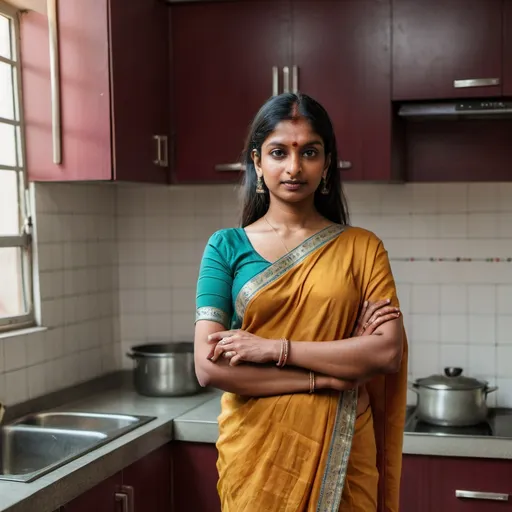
(16, 304)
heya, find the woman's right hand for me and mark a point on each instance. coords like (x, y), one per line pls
(373, 315)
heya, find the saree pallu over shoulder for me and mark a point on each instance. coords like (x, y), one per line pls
(292, 453)
(281, 266)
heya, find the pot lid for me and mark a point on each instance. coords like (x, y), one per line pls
(452, 379)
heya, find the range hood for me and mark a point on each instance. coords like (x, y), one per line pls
(460, 109)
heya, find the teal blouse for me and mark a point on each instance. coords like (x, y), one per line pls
(229, 261)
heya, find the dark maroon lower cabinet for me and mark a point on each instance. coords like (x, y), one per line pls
(195, 477)
(151, 481)
(98, 499)
(415, 487)
(144, 486)
(430, 484)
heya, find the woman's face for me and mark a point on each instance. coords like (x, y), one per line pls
(292, 161)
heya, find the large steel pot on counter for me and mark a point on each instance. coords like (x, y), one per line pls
(451, 399)
(164, 369)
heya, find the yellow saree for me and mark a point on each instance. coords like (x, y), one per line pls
(302, 452)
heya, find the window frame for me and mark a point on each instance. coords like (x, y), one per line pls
(24, 239)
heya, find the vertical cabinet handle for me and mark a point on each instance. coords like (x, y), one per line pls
(158, 158)
(125, 496)
(53, 31)
(477, 495)
(275, 81)
(286, 79)
(162, 150)
(295, 79)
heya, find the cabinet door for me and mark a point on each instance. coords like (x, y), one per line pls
(99, 499)
(415, 485)
(140, 84)
(84, 89)
(480, 475)
(222, 59)
(436, 42)
(150, 478)
(507, 48)
(342, 51)
(195, 477)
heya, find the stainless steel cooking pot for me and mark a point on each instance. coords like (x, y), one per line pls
(164, 369)
(451, 399)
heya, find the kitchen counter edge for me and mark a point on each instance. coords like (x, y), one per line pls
(188, 419)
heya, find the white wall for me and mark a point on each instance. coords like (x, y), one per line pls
(456, 312)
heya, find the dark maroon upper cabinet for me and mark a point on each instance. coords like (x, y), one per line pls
(442, 47)
(114, 95)
(223, 55)
(507, 48)
(480, 476)
(139, 54)
(341, 51)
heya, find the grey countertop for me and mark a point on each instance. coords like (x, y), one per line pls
(192, 419)
(200, 425)
(50, 491)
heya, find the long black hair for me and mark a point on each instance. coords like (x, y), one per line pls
(285, 107)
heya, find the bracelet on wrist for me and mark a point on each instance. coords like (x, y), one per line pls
(283, 355)
(312, 382)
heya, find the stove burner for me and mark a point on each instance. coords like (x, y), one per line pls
(482, 429)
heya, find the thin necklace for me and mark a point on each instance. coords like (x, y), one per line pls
(277, 234)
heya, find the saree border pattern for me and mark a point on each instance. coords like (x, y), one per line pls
(282, 265)
(213, 314)
(335, 471)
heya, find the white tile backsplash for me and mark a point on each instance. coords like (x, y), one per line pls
(76, 263)
(457, 313)
(118, 266)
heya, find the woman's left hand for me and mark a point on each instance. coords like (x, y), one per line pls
(240, 346)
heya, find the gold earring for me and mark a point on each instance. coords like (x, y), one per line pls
(259, 186)
(325, 189)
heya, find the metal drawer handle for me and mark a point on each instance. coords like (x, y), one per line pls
(124, 495)
(475, 82)
(476, 495)
(237, 166)
(344, 164)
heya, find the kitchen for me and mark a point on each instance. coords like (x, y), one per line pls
(148, 169)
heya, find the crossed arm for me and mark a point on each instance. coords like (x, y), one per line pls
(342, 364)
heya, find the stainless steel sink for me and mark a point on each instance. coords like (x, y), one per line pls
(40, 443)
(80, 421)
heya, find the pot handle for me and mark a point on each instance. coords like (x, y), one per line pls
(490, 389)
(412, 386)
(130, 355)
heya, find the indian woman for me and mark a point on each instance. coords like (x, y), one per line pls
(298, 322)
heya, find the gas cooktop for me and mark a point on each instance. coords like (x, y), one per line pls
(498, 425)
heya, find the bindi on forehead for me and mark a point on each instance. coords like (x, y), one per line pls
(294, 144)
